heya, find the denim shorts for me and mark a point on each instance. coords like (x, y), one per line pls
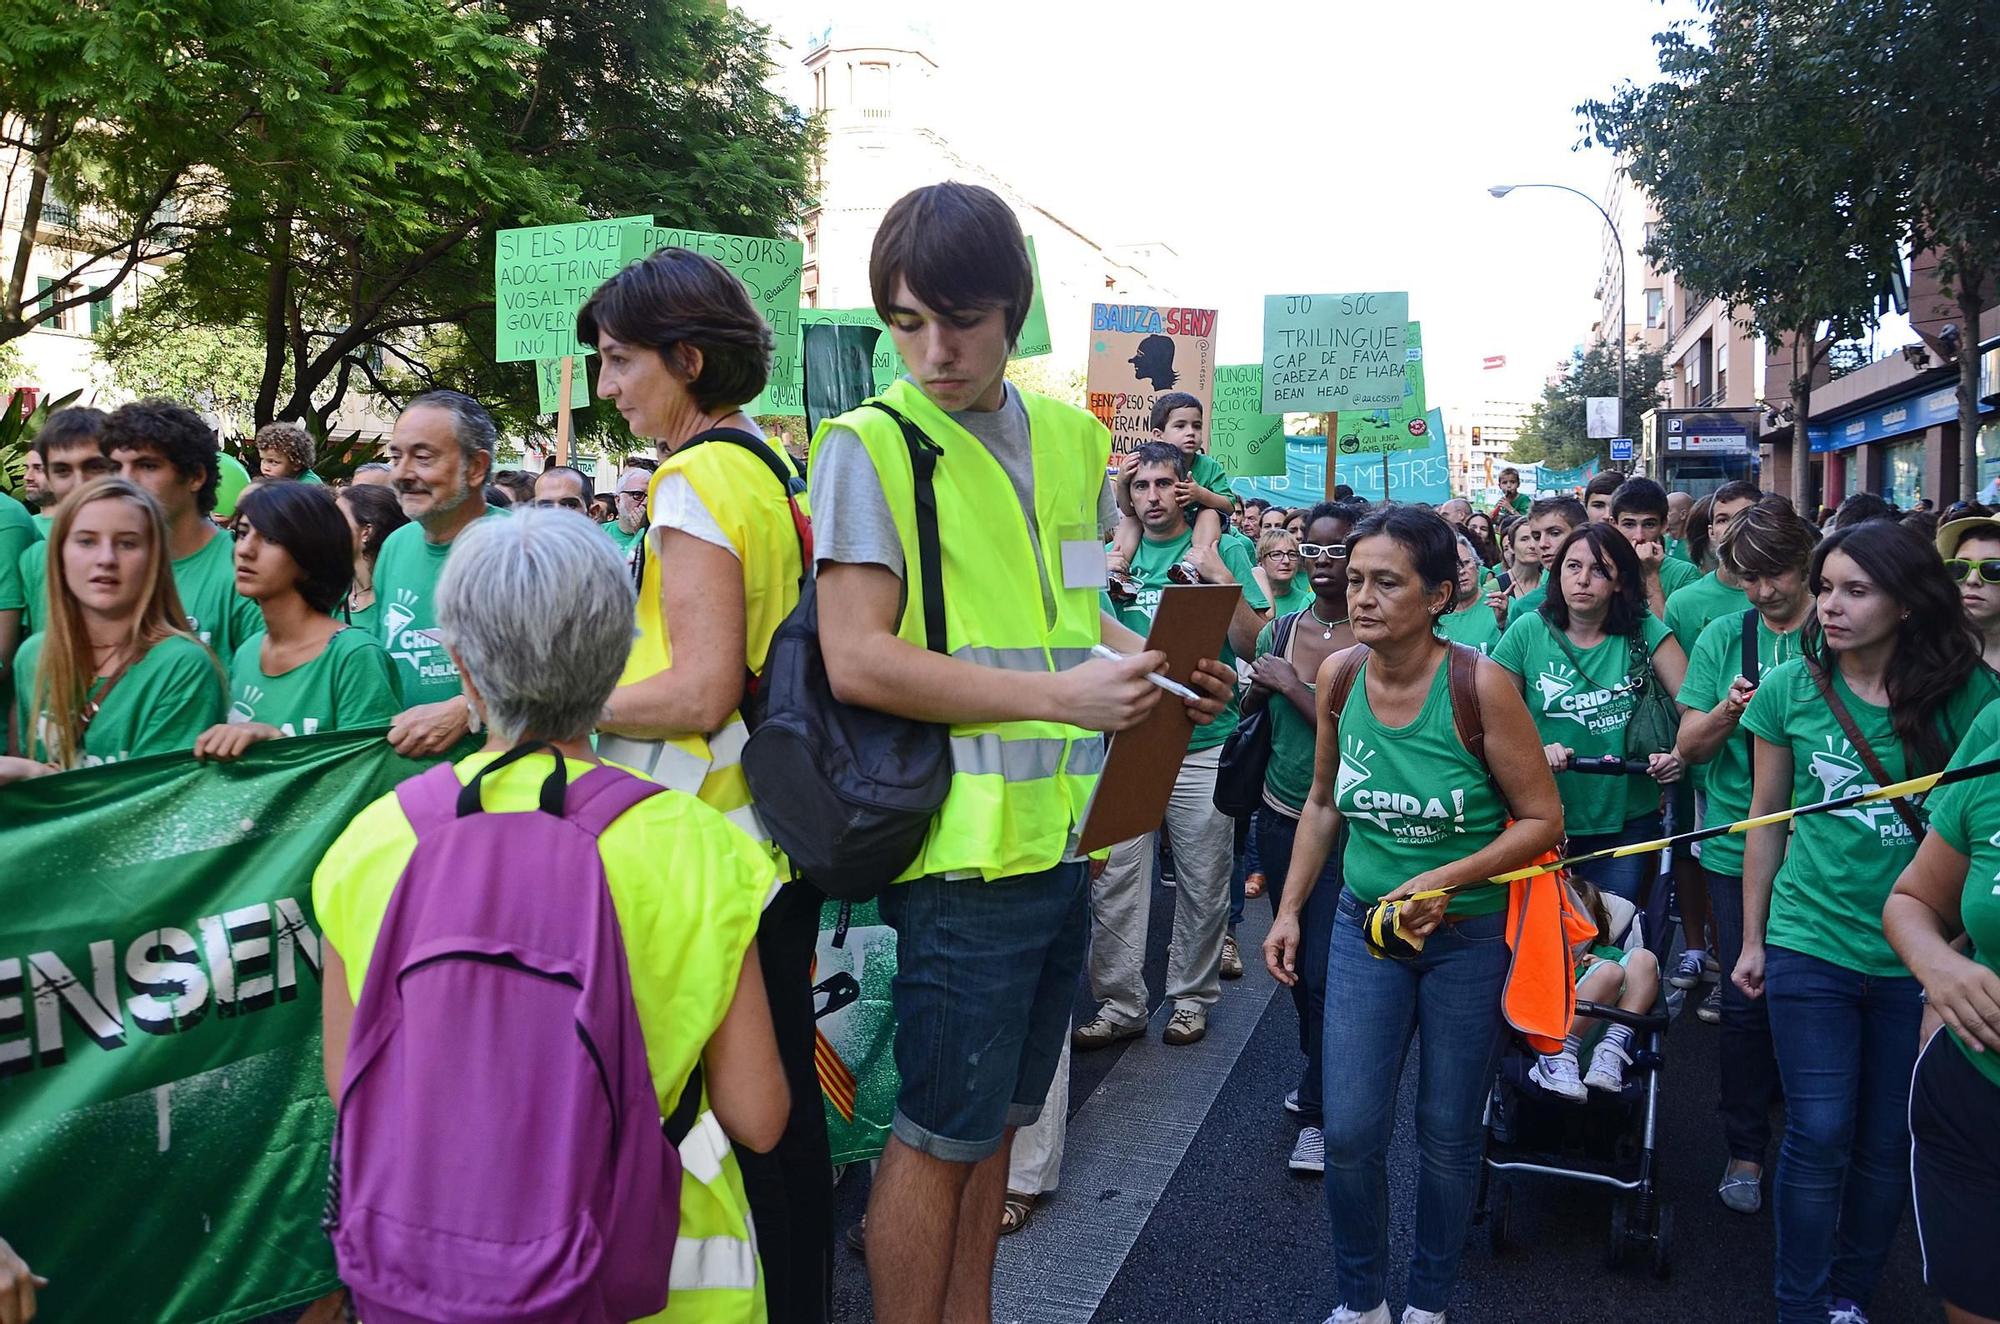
(986, 976)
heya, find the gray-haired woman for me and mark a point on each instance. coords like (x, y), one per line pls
(537, 614)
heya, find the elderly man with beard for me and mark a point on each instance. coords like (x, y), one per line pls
(440, 455)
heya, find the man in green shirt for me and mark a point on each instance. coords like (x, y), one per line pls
(1679, 506)
(166, 449)
(1597, 494)
(561, 487)
(1639, 511)
(71, 449)
(1202, 835)
(629, 529)
(440, 454)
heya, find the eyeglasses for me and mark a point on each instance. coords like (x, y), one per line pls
(636, 494)
(1281, 556)
(1988, 571)
(1315, 551)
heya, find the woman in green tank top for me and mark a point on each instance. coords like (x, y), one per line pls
(1421, 812)
(1279, 680)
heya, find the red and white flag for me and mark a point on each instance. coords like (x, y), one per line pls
(1494, 361)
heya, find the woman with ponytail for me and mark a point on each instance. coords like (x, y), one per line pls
(1888, 685)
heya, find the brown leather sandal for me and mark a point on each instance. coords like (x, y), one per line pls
(1014, 1212)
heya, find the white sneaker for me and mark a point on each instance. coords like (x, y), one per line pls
(1557, 1075)
(1412, 1315)
(1607, 1069)
(1342, 1315)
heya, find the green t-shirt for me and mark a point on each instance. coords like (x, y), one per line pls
(34, 566)
(1529, 603)
(350, 685)
(1962, 815)
(367, 619)
(17, 534)
(1297, 598)
(217, 614)
(43, 523)
(1517, 504)
(1714, 663)
(1414, 798)
(1472, 624)
(1240, 555)
(1149, 566)
(626, 542)
(165, 699)
(1587, 712)
(406, 576)
(1827, 898)
(1288, 777)
(1677, 548)
(1690, 609)
(1675, 575)
(1207, 471)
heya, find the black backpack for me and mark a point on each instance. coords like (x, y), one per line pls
(848, 793)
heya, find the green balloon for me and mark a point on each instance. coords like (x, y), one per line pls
(234, 479)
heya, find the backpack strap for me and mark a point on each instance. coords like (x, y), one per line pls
(1750, 663)
(1281, 633)
(429, 799)
(923, 465)
(1465, 714)
(791, 482)
(597, 798)
(1866, 752)
(687, 1112)
(1344, 678)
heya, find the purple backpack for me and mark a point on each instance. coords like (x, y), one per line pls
(499, 1152)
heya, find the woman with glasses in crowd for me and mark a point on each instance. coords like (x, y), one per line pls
(114, 673)
(1421, 811)
(1278, 558)
(306, 671)
(1887, 687)
(1285, 679)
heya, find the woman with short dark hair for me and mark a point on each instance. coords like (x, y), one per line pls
(682, 351)
(305, 672)
(1422, 811)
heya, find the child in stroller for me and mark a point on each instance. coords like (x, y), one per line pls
(1626, 977)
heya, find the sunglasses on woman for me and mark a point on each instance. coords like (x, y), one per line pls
(1988, 570)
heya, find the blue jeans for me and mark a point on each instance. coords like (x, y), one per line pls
(1246, 864)
(1846, 1045)
(986, 974)
(1452, 992)
(1275, 833)
(1630, 876)
(1749, 1063)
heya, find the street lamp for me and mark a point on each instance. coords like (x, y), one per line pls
(1502, 190)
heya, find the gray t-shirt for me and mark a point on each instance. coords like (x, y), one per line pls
(850, 515)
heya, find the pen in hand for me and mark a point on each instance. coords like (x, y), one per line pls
(1173, 687)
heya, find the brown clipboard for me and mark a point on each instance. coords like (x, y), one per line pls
(1140, 765)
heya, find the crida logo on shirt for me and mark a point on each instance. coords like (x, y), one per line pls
(1412, 817)
(397, 615)
(244, 708)
(1597, 710)
(1840, 773)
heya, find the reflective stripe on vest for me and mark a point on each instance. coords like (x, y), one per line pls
(714, 1263)
(674, 764)
(1017, 787)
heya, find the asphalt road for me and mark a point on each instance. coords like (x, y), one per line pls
(1224, 1232)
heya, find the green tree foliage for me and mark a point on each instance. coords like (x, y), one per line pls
(359, 155)
(1553, 432)
(1772, 192)
(215, 369)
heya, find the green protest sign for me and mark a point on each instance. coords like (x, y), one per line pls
(1332, 352)
(541, 276)
(1034, 341)
(1381, 431)
(769, 270)
(1245, 441)
(548, 385)
(160, 1028)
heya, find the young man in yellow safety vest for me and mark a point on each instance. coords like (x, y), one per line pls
(982, 1000)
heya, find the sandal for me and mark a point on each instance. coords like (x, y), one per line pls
(1014, 1213)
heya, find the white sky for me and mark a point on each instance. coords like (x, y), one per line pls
(1305, 146)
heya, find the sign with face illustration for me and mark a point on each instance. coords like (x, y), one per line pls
(1140, 352)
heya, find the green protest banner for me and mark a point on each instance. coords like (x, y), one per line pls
(1385, 431)
(1327, 353)
(165, 1146)
(855, 1047)
(1245, 441)
(541, 276)
(769, 270)
(548, 385)
(1034, 341)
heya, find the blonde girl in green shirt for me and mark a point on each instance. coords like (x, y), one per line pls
(115, 674)
(305, 672)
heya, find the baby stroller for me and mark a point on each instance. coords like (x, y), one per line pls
(1608, 1140)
